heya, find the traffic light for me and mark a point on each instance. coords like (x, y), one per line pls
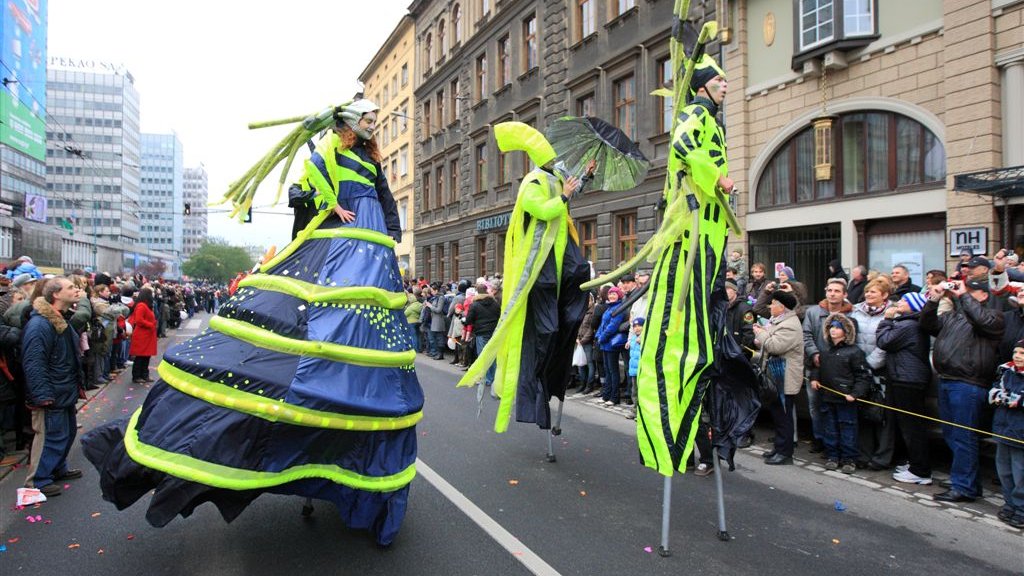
(188, 208)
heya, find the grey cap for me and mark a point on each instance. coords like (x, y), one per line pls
(22, 279)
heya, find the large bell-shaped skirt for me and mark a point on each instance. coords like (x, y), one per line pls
(302, 384)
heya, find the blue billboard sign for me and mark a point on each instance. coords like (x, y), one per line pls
(23, 68)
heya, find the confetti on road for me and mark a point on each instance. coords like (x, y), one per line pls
(73, 546)
(100, 551)
(648, 549)
(839, 506)
(13, 540)
(131, 536)
(66, 486)
(583, 492)
(95, 514)
(835, 540)
(513, 482)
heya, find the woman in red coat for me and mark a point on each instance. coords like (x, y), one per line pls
(143, 345)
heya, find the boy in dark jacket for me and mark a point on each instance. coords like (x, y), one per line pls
(1008, 398)
(843, 368)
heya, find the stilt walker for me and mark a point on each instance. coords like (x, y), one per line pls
(687, 302)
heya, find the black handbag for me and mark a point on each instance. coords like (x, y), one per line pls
(767, 387)
(878, 394)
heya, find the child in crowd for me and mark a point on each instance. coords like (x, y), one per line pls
(1007, 395)
(843, 368)
(737, 262)
(633, 345)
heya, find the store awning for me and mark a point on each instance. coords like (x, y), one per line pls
(1000, 182)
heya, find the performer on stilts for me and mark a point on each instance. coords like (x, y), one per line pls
(304, 382)
(542, 303)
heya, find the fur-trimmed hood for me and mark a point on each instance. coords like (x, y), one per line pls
(848, 325)
(44, 309)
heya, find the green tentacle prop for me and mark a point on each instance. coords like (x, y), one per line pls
(242, 191)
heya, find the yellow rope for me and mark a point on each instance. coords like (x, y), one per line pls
(940, 421)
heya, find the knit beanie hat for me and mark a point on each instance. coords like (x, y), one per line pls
(914, 300)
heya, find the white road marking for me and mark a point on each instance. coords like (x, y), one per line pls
(519, 551)
(192, 324)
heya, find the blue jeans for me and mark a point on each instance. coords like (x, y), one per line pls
(482, 341)
(962, 403)
(610, 390)
(839, 427)
(59, 434)
(814, 406)
(1010, 467)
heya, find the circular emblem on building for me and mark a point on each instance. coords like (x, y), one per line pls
(769, 29)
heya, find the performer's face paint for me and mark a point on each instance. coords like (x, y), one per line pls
(716, 89)
(367, 124)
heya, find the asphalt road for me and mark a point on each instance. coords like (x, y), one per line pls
(491, 504)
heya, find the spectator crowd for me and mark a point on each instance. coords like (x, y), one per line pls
(61, 336)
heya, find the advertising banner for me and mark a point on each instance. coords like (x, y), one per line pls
(23, 55)
(35, 208)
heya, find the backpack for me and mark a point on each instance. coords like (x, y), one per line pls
(97, 332)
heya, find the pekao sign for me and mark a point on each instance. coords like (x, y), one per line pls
(87, 65)
(975, 239)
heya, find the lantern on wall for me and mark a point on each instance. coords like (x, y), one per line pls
(823, 147)
(823, 134)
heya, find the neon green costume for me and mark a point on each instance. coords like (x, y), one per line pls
(542, 304)
(679, 337)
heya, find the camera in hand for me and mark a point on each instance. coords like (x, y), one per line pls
(950, 285)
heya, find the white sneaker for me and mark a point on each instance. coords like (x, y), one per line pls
(902, 467)
(908, 477)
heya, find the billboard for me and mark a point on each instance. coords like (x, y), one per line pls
(35, 208)
(23, 68)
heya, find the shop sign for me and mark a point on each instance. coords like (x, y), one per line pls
(975, 239)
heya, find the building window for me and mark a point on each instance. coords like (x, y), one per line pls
(441, 48)
(481, 256)
(624, 96)
(499, 251)
(439, 198)
(585, 105)
(588, 240)
(665, 73)
(404, 116)
(394, 85)
(456, 103)
(394, 129)
(456, 24)
(875, 152)
(403, 161)
(426, 192)
(428, 47)
(623, 5)
(481, 77)
(403, 213)
(625, 236)
(439, 100)
(485, 7)
(405, 74)
(586, 18)
(440, 264)
(455, 260)
(823, 22)
(428, 263)
(428, 127)
(481, 167)
(530, 56)
(394, 169)
(502, 167)
(453, 175)
(504, 61)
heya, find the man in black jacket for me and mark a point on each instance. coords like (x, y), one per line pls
(965, 356)
(483, 317)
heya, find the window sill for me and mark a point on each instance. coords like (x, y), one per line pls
(584, 41)
(621, 18)
(504, 89)
(483, 21)
(528, 74)
(479, 104)
(840, 45)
